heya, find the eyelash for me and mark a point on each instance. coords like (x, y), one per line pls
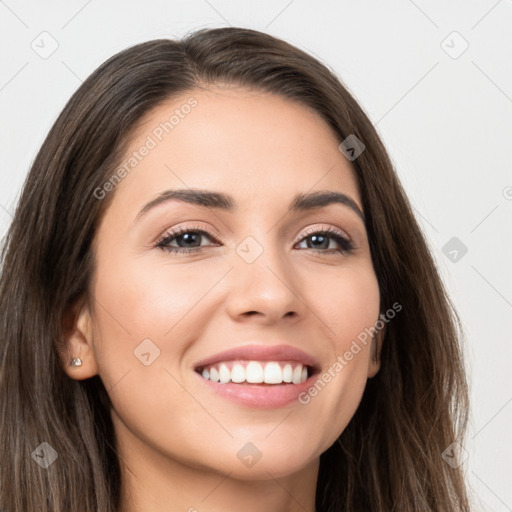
(345, 244)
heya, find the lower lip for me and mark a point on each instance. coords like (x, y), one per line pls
(260, 396)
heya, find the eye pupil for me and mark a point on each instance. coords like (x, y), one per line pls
(318, 238)
(188, 237)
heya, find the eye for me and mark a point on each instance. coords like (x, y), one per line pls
(187, 240)
(321, 239)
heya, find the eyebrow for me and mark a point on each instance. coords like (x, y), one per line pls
(219, 200)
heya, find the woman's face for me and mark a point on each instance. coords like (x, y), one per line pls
(260, 273)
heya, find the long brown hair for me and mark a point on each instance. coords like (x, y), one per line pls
(388, 458)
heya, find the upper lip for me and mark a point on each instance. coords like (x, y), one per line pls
(261, 353)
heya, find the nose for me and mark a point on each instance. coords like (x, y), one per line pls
(265, 290)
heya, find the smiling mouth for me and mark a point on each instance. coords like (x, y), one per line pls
(257, 372)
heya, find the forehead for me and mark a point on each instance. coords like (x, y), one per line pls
(259, 147)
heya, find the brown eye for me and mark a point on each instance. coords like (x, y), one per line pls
(187, 240)
(323, 240)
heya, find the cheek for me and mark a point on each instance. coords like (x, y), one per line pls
(144, 316)
(348, 308)
(151, 299)
(347, 303)
(137, 301)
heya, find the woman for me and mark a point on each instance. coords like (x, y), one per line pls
(214, 294)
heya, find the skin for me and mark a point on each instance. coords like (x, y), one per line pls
(178, 441)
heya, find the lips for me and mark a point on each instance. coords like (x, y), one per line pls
(261, 392)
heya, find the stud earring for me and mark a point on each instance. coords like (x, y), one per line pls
(75, 362)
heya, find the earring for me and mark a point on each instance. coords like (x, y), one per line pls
(75, 362)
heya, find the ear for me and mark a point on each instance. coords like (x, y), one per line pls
(77, 342)
(375, 351)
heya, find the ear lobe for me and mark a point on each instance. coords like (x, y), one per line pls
(375, 351)
(77, 343)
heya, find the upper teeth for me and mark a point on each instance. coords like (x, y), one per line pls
(254, 372)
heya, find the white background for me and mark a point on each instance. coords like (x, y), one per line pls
(447, 123)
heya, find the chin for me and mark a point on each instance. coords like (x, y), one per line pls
(270, 464)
